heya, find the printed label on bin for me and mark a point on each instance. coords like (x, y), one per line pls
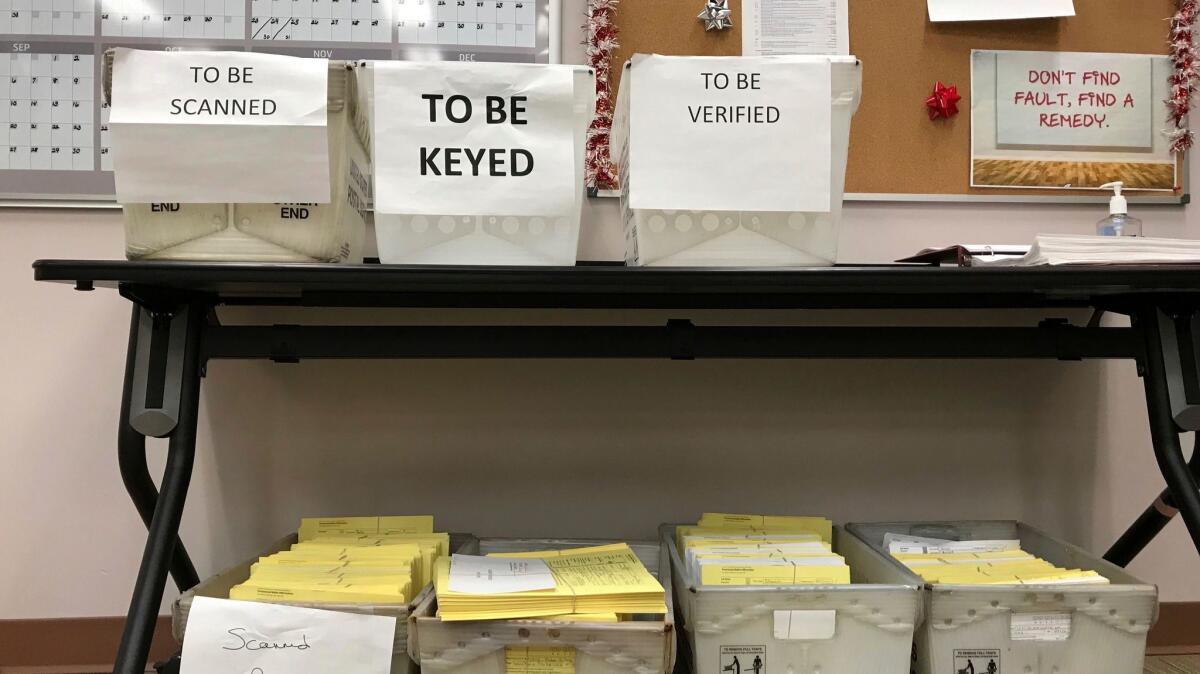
(539, 660)
(474, 139)
(731, 134)
(1040, 626)
(977, 661)
(219, 127)
(743, 659)
(246, 637)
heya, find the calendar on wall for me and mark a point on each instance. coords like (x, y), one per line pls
(54, 140)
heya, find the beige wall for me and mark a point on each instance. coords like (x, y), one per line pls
(567, 448)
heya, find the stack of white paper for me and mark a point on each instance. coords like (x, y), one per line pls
(1058, 249)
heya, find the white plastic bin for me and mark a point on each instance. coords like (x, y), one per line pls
(493, 239)
(332, 232)
(975, 624)
(219, 585)
(872, 619)
(698, 238)
(478, 647)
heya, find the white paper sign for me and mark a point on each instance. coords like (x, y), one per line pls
(243, 637)
(1074, 100)
(993, 10)
(219, 127)
(474, 138)
(499, 575)
(730, 134)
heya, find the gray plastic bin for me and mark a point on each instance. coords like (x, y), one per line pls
(478, 647)
(1026, 629)
(862, 628)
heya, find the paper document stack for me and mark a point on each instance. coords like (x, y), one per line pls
(1063, 249)
(350, 560)
(727, 549)
(990, 562)
(584, 584)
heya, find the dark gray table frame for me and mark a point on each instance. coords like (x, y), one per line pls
(174, 332)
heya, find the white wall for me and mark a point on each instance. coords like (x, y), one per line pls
(580, 448)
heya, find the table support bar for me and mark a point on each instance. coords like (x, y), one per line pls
(679, 339)
(164, 525)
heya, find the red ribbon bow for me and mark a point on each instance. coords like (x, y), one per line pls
(944, 101)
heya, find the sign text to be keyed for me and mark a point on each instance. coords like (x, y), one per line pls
(459, 161)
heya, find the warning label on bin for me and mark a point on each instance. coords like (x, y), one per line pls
(977, 661)
(739, 659)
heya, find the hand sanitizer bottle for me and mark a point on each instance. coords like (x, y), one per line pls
(1118, 222)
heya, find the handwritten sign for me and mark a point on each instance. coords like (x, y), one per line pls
(1074, 100)
(474, 138)
(729, 134)
(242, 637)
(219, 127)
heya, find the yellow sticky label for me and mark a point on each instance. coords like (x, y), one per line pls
(539, 660)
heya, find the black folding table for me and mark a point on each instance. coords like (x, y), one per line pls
(174, 332)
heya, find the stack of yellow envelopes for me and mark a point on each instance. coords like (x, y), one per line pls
(996, 567)
(729, 549)
(352, 560)
(581, 584)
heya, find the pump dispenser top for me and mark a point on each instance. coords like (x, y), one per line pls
(1118, 205)
(1118, 222)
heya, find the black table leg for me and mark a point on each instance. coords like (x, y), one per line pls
(1152, 521)
(135, 473)
(164, 525)
(1164, 431)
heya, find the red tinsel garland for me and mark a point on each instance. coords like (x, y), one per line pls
(1183, 81)
(601, 42)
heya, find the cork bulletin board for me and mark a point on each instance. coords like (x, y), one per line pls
(894, 147)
